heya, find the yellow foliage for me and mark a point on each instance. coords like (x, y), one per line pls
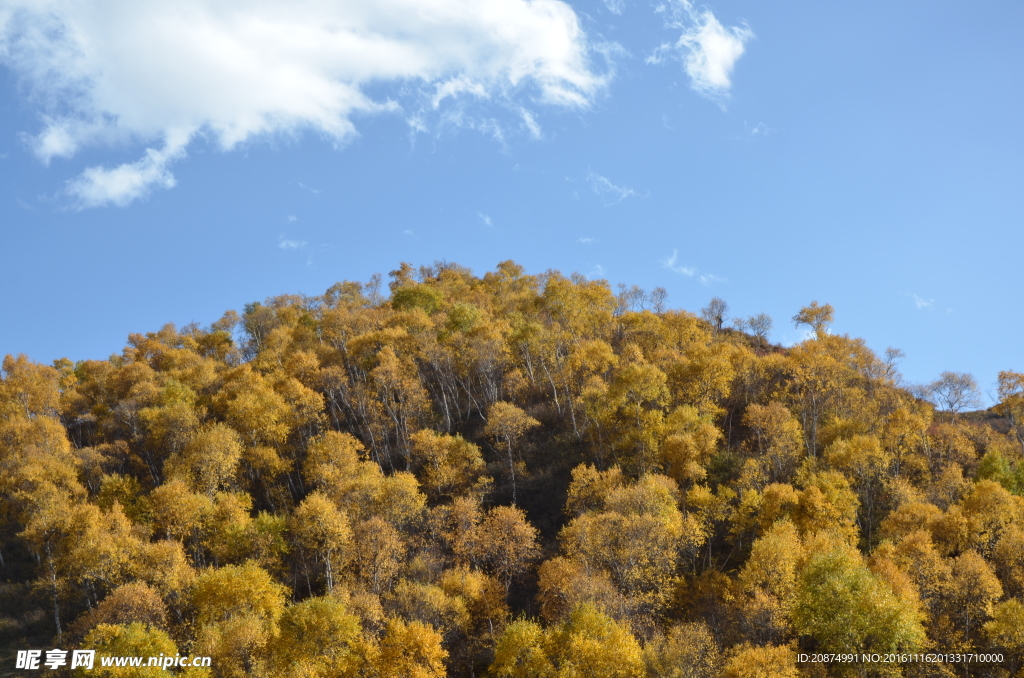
(751, 661)
(449, 465)
(686, 651)
(130, 640)
(409, 650)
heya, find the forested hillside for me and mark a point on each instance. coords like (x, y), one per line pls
(512, 475)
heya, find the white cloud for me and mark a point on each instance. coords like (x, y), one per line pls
(706, 279)
(292, 218)
(484, 218)
(922, 303)
(709, 51)
(615, 6)
(99, 186)
(760, 129)
(605, 188)
(456, 87)
(57, 140)
(586, 241)
(597, 272)
(672, 265)
(287, 244)
(531, 124)
(114, 71)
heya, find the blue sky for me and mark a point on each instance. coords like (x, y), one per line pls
(167, 165)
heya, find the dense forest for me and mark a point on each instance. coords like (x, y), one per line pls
(513, 475)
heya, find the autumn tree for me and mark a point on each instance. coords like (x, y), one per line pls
(954, 392)
(753, 661)
(864, 461)
(767, 585)
(379, 552)
(507, 424)
(506, 543)
(236, 611)
(409, 650)
(521, 652)
(322, 531)
(970, 599)
(637, 537)
(587, 643)
(1011, 401)
(777, 444)
(135, 639)
(209, 461)
(318, 637)
(818, 318)
(132, 603)
(714, 313)
(448, 465)
(690, 442)
(760, 326)
(688, 650)
(1006, 630)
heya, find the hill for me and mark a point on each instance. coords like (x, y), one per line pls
(506, 475)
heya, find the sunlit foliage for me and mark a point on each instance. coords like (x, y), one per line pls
(514, 475)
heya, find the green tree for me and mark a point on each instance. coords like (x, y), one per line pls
(847, 608)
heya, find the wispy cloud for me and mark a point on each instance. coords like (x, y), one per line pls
(603, 187)
(460, 118)
(103, 73)
(485, 218)
(708, 50)
(597, 272)
(587, 241)
(671, 263)
(311, 252)
(531, 124)
(314, 191)
(922, 303)
(409, 232)
(292, 218)
(758, 130)
(287, 244)
(706, 279)
(615, 6)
